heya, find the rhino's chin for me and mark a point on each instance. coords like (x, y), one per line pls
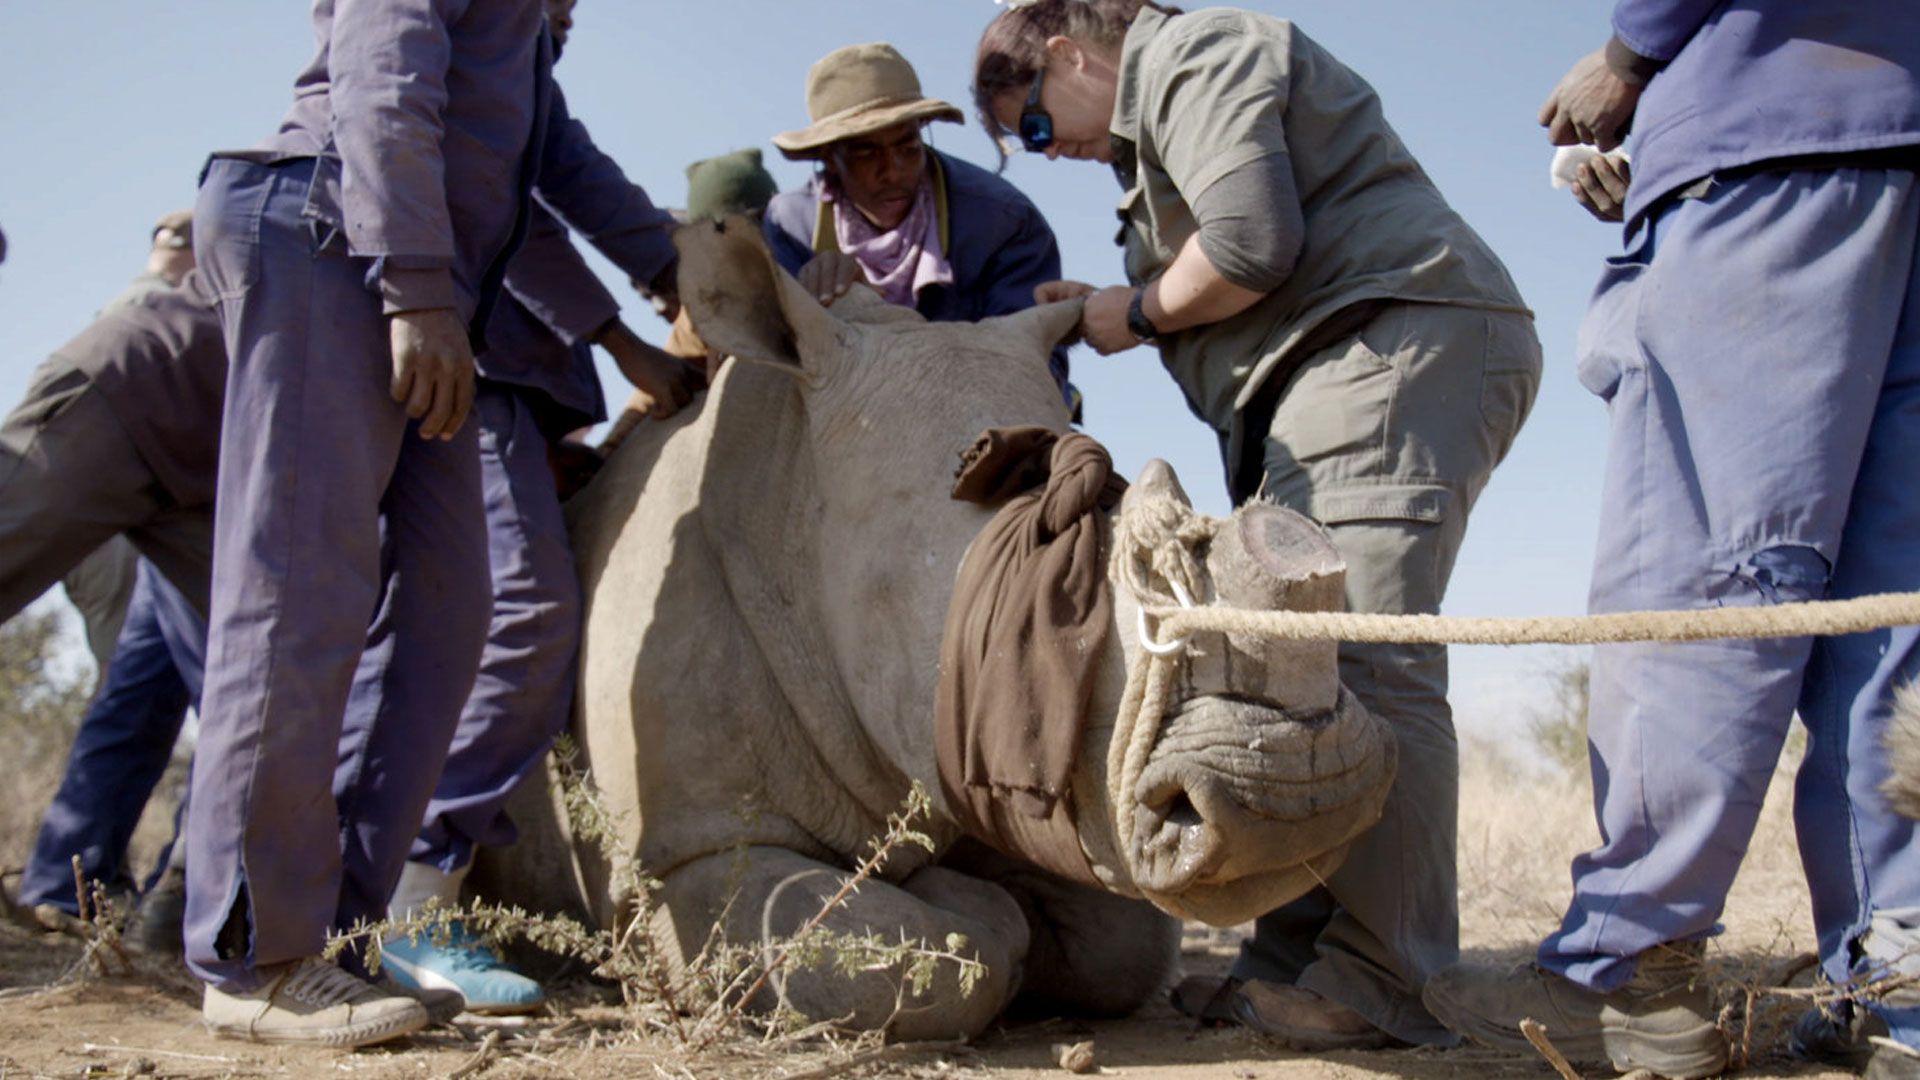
(1243, 806)
(1235, 902)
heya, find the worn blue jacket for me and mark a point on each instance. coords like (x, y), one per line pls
(425, 118)
(538, 337)
(1739, 82)
(994, 237)
(448, 156)
(435, 123)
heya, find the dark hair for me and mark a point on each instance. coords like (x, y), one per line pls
(1014, 46)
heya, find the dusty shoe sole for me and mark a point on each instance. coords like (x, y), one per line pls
(399, 1023)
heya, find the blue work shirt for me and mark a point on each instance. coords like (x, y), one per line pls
(1748, 81)
(539, 339)
(406, 95)
(539, 336)
(422, 114)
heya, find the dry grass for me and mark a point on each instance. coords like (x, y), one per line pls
(41, 702)
(1522, 824)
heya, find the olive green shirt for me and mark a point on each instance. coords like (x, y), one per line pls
(1204, 94)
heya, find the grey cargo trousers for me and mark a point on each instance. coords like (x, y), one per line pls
(1387, 437)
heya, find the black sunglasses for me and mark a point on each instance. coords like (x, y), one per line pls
(1036, 125)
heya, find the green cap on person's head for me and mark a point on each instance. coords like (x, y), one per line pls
(733, 183)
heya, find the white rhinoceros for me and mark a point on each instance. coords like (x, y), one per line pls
(768, 577)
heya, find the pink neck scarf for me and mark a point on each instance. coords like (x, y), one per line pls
(900, 261)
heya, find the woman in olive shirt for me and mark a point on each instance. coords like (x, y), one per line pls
(1363, 358)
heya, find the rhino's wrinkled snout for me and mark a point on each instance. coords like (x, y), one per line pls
(1236, 788)
(1265, 767)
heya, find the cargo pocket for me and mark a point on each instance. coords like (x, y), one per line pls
(1333, 422)
(1424, 502)
(1396, 540)
(1139, 256)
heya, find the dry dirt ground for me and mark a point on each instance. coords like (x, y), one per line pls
(1519, 827)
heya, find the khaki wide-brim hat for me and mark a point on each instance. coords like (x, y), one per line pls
(859, 90)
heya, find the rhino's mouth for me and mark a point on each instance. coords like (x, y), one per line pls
(1237, 789)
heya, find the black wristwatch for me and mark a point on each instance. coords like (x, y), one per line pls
(1137, 322)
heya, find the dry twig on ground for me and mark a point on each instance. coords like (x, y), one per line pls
(481, 1058)
(1536, 1034)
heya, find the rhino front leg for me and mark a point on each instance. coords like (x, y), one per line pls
(776, 891)
(1093, 953)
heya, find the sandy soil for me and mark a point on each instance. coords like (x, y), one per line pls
(147, 1023)
(1519, 828)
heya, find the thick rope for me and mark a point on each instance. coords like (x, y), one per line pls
(1810, 618)
(1154, 542)
(1154, 555)
(1153, 549)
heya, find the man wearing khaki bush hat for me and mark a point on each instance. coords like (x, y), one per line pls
(923, 228)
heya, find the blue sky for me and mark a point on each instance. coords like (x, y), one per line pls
(112, 106)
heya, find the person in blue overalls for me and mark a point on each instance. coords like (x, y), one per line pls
(537, 383)
(1758, 347)
(358, 254)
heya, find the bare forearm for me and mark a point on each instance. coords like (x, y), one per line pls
(668, 382)
(1193, 293)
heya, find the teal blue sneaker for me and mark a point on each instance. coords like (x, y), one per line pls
(465, 966)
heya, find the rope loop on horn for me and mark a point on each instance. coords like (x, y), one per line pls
(1158, 554)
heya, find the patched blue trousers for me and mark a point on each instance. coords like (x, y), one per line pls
(524, 692)
(1759, 352)
(314, 455)
(122, 746)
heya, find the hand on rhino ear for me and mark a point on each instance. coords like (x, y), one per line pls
(743, 304)
(1046, 325)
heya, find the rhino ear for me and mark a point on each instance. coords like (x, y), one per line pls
(1046, 325)
(742, 303)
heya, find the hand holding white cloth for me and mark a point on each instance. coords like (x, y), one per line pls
(1568, 159)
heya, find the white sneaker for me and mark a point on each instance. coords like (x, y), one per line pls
(311, 1001)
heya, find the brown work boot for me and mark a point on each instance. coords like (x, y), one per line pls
(1299, 1019)
(311, 1001)
(1662, 1020)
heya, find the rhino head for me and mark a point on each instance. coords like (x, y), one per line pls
(1263, 768)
